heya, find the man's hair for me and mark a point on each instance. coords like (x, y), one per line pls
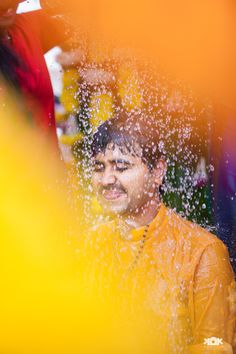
(129, 131)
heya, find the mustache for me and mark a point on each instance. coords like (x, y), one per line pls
(118, 188)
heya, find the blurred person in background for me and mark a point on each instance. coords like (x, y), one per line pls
(24, 38)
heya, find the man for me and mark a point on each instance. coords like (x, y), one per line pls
(179, 272)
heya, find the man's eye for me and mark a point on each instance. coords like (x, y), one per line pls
(98, 168)
(121, 168)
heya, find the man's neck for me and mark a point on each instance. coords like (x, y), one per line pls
(144, 216)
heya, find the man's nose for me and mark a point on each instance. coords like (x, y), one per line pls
(108, 178)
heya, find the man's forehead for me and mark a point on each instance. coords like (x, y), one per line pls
(113, 152)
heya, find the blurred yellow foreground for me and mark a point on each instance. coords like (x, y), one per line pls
(44, 305)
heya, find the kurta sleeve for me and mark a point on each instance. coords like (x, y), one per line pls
(214, 298)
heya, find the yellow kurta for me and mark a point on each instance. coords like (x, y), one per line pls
(180, 275)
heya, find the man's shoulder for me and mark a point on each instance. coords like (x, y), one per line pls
(187, 241)
(190, 232)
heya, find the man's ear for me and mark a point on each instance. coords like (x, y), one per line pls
(160, 171)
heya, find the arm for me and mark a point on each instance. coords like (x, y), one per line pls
(214, 298)
(53, 25)
(54, 31)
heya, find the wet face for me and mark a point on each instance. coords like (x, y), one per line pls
(123, 182)
(8, 10)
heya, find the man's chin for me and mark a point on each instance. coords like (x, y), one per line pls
(114, 206)
(112, 209)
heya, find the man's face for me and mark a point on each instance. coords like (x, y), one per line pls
(8, 10)
(122, 181)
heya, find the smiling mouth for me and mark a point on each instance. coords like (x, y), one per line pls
(112, 194)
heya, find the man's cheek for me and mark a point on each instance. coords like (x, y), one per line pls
(95, 186)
